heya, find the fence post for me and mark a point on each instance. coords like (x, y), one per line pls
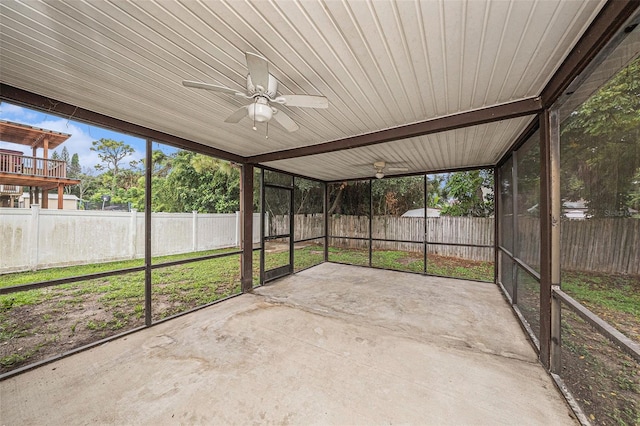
(194, 230)
(238, 237)
(133, 232)
(34, 237)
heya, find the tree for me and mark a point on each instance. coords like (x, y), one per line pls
(394, 196)
(213, 189)
(64, 156)
(349, 198)
(308, 196)
(75, 168)
(466, 195)
(87, 182)
(600, 148)
(111, 153)
(73, 171)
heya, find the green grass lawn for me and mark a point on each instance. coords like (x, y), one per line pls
(414, 262)
(34, 321)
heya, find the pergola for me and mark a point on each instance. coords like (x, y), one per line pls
(33, 171)
(434, 86)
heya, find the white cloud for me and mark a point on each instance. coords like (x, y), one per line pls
(82, 135)
(12, 112)
(79, 142)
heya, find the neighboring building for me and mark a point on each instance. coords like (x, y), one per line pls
(576, 210)
(420, 213)
(9, 195)
(39, 174)
(69, 201)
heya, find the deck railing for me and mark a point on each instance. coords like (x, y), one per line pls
(10, 190)
(32, 166)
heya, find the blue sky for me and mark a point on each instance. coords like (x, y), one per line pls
(82, 134)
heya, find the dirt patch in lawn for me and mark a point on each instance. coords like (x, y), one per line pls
(604, 380)
(68, 318)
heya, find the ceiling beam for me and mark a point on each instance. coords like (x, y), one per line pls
(450, 122)
(602, 29)
(42, 103)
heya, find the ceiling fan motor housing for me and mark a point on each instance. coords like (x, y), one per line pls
(269, 91)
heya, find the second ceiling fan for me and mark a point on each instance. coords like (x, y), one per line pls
(262, 88)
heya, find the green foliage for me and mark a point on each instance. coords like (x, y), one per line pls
(197, 183)
(600, 148)
(17, 358)
(394, 196)
(181, 182)
(464, 190)
(308, 196)
(74, 167)
(349, 198)
(616, 293)
(64, 156)
(111, 153)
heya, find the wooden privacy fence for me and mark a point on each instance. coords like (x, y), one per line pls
(446, 230)
(610, 245)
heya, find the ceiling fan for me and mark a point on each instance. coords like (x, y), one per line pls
(379, 167)
(261, 89)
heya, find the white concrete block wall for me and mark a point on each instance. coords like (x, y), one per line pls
(15, 239)
(73, 237)
(38, 238)
(216, 231)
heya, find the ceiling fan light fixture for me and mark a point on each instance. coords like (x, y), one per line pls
(262, 89)
(379, 175)
(260, 112)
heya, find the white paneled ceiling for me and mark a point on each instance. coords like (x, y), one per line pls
(381, 64)
(459, 148)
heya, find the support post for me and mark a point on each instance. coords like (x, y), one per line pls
(292, 230)
(497, 208)
(370, 222)
(550, 211)
(246, 210)
(425, 240)
(326, 221)
(147, 234)
(514, 230)
(60, 196)
(264, 225)
(45, 155)
(45, 198)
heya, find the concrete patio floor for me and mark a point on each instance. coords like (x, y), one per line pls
(334, 344)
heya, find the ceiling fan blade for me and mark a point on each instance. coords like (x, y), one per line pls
(398, 169)
(258, 70)
(304, 101)
(207, 86)
(237, 116)
(285, 121)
